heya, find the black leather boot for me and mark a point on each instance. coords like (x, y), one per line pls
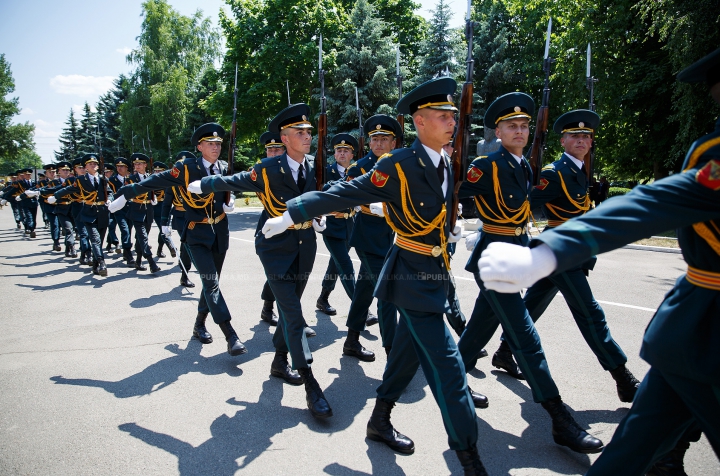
(33, 234)
(200, 331)
(354, 348)
(56, 246)
(672, 463)
(281, 368)
(154, 268)
(478, 399)
(371, 319)
(267, 314)
(101, 268)
(138, 263)
(316, 402)
(184, 280)
(470, 461)
(323, 305)
(83, 259)
(234, 346)
(503, 359)
(108, 247)
(626, 382)
(380, 429)
(95, 267)
(160, 254)
(567, 432)
(173, 251)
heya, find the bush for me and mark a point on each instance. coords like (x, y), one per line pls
(615, 191)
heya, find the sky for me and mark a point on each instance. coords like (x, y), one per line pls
(68, 53)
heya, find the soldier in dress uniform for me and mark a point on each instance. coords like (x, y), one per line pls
(500, 184)
(287, 259)
(140, 212)
(112, 239)
(205, 233)
(415, 185)
(49, 182)
(93, 214)
(6, 194)
(157, 216)
(682, 387)
(371, 236)
(172, 217)
(62, 208)
(27, 200)
(122, 167)
(76, 204)
(563, 195)
(41, 179)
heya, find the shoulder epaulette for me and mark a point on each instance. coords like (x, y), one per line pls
(383, 156)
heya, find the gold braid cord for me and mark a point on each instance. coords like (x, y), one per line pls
(177, 201)
(517, 216)
(273, 206)
(580, 208)
(82, 195)
(701, 228)
(200, 202)
(411, 221)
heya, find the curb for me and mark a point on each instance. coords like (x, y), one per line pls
(660, 249)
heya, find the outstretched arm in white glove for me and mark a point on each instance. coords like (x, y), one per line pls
(319, 225)
(377, 209)
(277, 225)
(228, 207)
(117, 204)
(52, 199)
(455, 235)
(194, 187)
(508, 268)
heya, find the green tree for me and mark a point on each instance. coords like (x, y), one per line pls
(69, 139)
(108, 117)
(442, 52)
(15, 139)
(88, 130)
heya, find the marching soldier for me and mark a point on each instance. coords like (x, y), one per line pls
(76, 203)
(27, 200)
(288, 259)
(140, 212)
(62, 208)
(7, 192)
(415, 185)
(372, 238)
(122, 167)
(157, 216)
(50, 182)
(563, 195)
(500, 184)
(205, 232)
(112, 239)
(680, 343)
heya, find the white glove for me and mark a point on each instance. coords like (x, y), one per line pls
(377, 209)
(508, 268)
(52, 199)
(471, 241)
(277, 225)
(166, 230)
(459, 208)
(153, 202)
(117, 204)
(18, 198)
(227, 208)
(3, 202)
(32, 193)
(358, 209)
(456, 235)
(319, 227)
(194, 187)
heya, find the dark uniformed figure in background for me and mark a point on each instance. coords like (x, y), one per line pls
(501, 184)
(288, 258)
(140, 212)
(76, 203)
(172, 217)
(157, 216)
(681, 388)
(563, 195)
(53, 221)
(112, 239)
(371, 236)
(415, 184)
(122, 167)
(63, 210)
(93, 214)
(11, 200)
(205, 233)
(27, 202)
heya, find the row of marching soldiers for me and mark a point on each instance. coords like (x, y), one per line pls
(73, 199)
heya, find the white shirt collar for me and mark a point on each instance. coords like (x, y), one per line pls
(517, 158)
(578, 163)
(294, 164)
(435, 158)
(207, 165)
(341, 169)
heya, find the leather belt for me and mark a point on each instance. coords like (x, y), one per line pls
(703, 279)
(366, 210)
(342, 215)
(554, 223)
(417, 247)
(142, 202)
(504, 230)
(63, 203)
(179, 209)
(95, 204)
(207, 221)
(301, 226)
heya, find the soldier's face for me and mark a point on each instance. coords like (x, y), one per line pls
(63, 173)
(108, 173)
(91, 167)
(381, 144)
(139, 167)
(79, 170)
(576, 145)
(210, 150)
(434, 127)
(274, 151)
(297, 141)
(122, 170)
(513, 133)
(343, 156)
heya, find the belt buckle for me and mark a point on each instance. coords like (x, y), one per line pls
(436, 251)
(518, 231)
(211, 220)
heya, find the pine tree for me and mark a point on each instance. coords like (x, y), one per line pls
(108, 117)
(442, 51)
(88, 130)
(69, 139)
(366, 60)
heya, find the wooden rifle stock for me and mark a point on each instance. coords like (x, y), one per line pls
(461, 148)
(321, 153)
(538, 144)
(401, 139)
(233, 132)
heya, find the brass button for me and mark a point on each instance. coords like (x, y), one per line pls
(300, 242)
(422, 204)
(518, 231)
(436, 251)
(510, 196)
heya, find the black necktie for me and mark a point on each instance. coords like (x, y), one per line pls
(301, 177)
(441, 170)
(212, 169)
(525, 170)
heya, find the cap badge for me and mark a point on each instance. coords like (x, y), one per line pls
(304, 117)
(215, 134)
(517, 108)
(342, 142)
(272, 141)
(378, 127)
(581, 125)
(449, 97)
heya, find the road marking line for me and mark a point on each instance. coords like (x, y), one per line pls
(628, 305)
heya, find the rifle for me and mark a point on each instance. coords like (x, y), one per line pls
(150, 165)
(321, 154)
(361, 139)
(233, 132)
(169, 151)
(287, 85)
(541, 126)
(400, 117)
(589, 159)
(461, 142)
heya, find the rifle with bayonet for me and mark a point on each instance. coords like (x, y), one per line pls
(361, 138)
(150, 165)
(233, 133)
(589, 159)
(461, 143)
(541, 125)
(400, 117)
(101, 161)
(321, 153)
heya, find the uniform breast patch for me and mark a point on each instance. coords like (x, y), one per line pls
(378, 178)
(175, 172)
(709, 175)
(543, 183)
(474, 174)
(253, 174)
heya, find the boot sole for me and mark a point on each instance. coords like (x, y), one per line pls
(352, 353)
(379, 439)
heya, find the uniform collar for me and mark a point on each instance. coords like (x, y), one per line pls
(578, 163)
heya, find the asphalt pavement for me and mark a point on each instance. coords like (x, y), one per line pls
(101, 375)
